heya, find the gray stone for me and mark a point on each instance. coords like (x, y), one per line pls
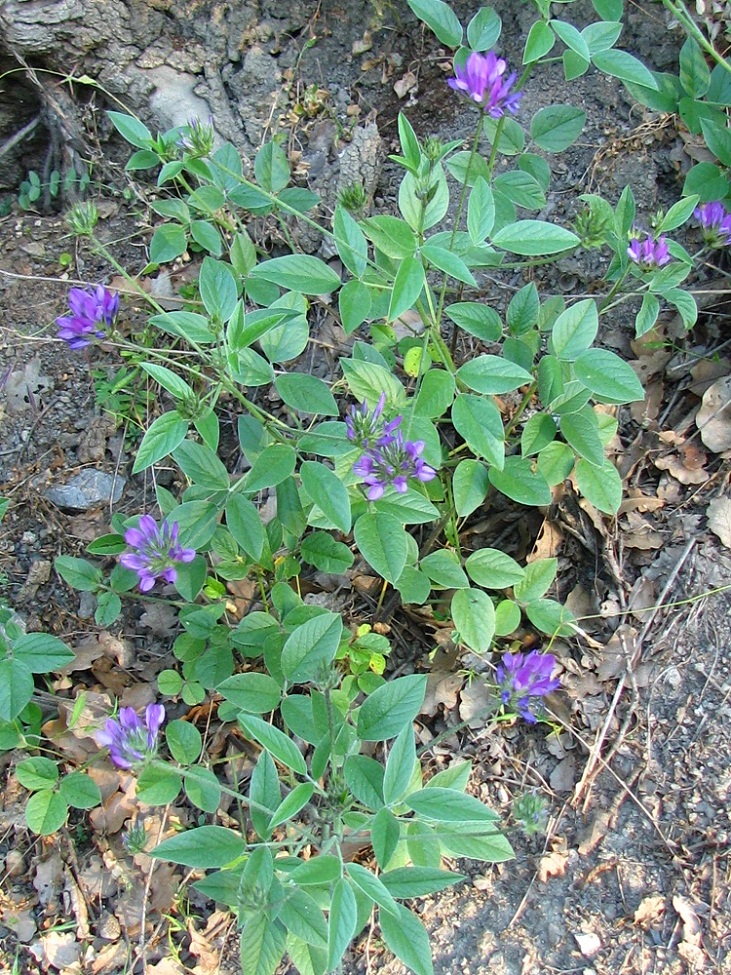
(85, 490)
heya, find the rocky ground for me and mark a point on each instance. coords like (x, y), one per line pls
(632, 875)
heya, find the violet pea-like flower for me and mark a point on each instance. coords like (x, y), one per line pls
(131, 739)
(481, 81)
(524, 680)
(367, 428)
(93, 313)
(715, 221)
(649, 254)
(392, 463)
(155, 551)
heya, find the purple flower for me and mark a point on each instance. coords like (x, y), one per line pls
(132, 739)
(481, 80)
(649, 254)
(93, 312)
(524, 679)
(715, 221)
(155, 551)
(392, 461)
(367, 429)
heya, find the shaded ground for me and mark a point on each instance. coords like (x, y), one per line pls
(633, 875)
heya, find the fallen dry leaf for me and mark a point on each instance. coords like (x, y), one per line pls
(714, 416)
(563, 777)
(686, 467)
(476, 703)
(589, 944)
(650, 912)
(719, 519)
(552, 865)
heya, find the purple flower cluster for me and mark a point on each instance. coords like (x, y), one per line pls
(155, 551)
(649, 253)
(93, 312)
(715, 221)
(481, 80)
(132, 739)
(388, 459)
(524, 680)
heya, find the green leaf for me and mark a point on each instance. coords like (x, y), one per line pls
(492, 374)
(626, 67)
(574, 330)
(435, 394)
(445, 260)
(507, 617)
(391, 236)
(342, 922)
(364, 778)
(707, 181)
(205, 234)
(37, 773)
(169, 380)
(350, 241)
(440, 17)
(581, 431)
(535, 238)
(298, 272)
(539, 42)
(608, 376)
(493, 569)
(16, 688)
(647, 315)
(484, 30)
(291, 804)
(406, 883)
(411, 508)
(184, 741)
(46, 812)
(609, 9)
(510, 137)
(478, 842)
(311, 647)
(383, 542)
(329, 493)
(407, 938)
(203, 846)
(218, 289)
(385, 835)
(695, 75)
(551, 618)
(78, 573)
(326, 554)
(476, 319)
(273, 465)
(80, 791)
(523, 310)
(168, 242)
(251, 692)
(265, 794)
(480, 209)
(539, 431)
(602, 486)
(321, 869)
(537, 580)
(399, 770)
(556, 127)
(372, 887)
(601, 36)
(474, 617)
(367, 380)
(271, 167)
(202, 788)
(444, 570)
(244, 522)
(391, 707)
(275, 741)
(571, 37)
(520, 188)
(108, 608)
(40, 652)
(201, 465)
(307, 394)
(478, 421)
(520, 482)
(162, 437)
(449, 806)
(685, 304)
(263, 942)
(131, 129)
(679, 212)
(303, 918)
(470, 485)
(186, 325)
(407, 286)
(157, 786)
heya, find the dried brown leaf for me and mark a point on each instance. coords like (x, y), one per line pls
(552, 865)
(650, 912)
(719, 519)
(714, 416)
